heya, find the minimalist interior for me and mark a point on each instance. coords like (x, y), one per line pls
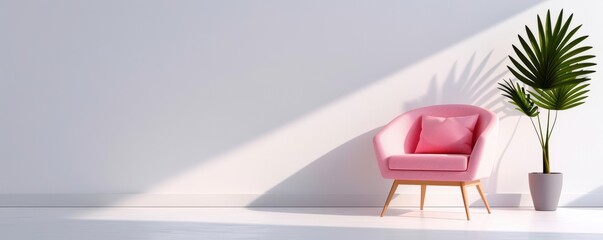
(254, 119)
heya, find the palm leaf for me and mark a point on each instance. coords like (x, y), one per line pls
(569, 35)
(533, 58)
(575, 60)
(555, 59)
(563, 30)
(518, 96)
(560, 98)
(558, 24)
(526, 62)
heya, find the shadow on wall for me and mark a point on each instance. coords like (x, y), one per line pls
(494, 198)
(351, 167)
(477, 85)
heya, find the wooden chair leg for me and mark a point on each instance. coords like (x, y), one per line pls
(481, 193)
(389, 197)
(464, 193)
(423, 189)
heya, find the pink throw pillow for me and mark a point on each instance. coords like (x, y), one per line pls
(447, 135)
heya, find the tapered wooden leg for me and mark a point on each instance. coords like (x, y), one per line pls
(423, 189)
(389, 197)
(464, 193)
(481, 193)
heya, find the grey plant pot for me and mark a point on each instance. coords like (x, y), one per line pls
(545, 190)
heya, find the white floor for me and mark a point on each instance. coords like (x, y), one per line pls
(297, 223)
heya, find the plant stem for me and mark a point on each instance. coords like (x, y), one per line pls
(537, 135)
(545, 139)
(540, 127)
(554, 122)
(546, 168)
(548, 121)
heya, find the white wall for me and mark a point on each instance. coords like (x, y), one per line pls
(261, 102)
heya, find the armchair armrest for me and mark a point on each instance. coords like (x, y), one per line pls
(483, 156)
(391, 139)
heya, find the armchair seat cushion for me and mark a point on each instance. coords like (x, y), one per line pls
(429, 162)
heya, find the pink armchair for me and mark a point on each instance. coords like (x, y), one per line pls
(396, 142)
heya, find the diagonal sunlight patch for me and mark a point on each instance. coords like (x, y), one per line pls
(280, 153)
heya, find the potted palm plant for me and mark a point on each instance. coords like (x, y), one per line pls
(554, 70)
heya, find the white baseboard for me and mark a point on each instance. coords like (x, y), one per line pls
(274, 200)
